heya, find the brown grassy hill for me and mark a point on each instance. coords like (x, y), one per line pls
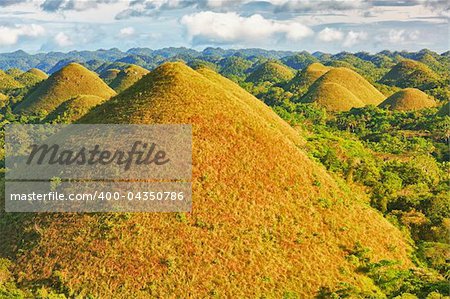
(14, 72)
(8, 82)
(31, 77)
(270, 71)
(109, 75)
(304, 79)
(444, 110)
(408, 99)
(73, 109)
(334, 97)
(410, 73)
(70, 81)
(266, 220)
(127, 77)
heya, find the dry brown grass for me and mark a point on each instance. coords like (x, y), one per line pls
(70, 81)
(271, 71)
(127, 77)
(307, 77)
(408, 99)
(266, 219)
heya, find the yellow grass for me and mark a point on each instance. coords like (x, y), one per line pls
(408, 99)
(127, 77)
(73, 109)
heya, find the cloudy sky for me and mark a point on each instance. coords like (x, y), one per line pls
(312, 25)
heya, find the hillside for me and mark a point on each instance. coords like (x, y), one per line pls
(410, 73)
(270, 71)
(8, 82)
(347, 89)
(73, 109)
(444, 110)
(304, 79)
(72, 80)
(266, 220)
(127, 77)
(408, 99)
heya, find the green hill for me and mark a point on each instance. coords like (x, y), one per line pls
(31, 77)
(353, 89)
(14, 72)
(408, 99)
(127, 77)
(270, 71)
(72, 80)
(304, 79)
(266, 220)
(410, 73)
(8, 82)
(109, 75)
(73, 109)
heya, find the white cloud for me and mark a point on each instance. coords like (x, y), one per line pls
(330, 35)
(401, 36)
(212, 27)
(62, 40)
(354, 37)
(126, 32)
(10, 35)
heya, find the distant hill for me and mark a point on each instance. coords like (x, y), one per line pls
(352, 89)
(410, 73)
(31, 77)
(299, 61)
(127, 77)
(304, 79)
(72, 80)
(408, 99)
(73, 109)
(270, 71)
(276, 226)
(109, 75)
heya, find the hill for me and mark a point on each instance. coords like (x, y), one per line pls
(410, 73)
(3, 100)
(31, 77)
(353, 90)
(266, 220)
(334, 97)
(127, 77)
(109, 75)
(72, 80)
(304, 79)
(73, 109)
(8, 82)
(270, 71)
(408, 99)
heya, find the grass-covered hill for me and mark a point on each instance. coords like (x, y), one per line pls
(270, 71)
(267, 221)
(73, 109)
(410, 73)
(70, 81)
(31, 77)
(304, 79)
(127, 77)
(109, 75)
(408, 99)
(8, 82)
(340, 89)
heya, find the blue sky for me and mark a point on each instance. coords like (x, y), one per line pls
(328, 25)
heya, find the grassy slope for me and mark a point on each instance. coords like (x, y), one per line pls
(70, 81)
(8, 82)
(333, 97)
(408, 99)
(266, 220)
(31, 77)
(270, 71)
(410, 73)
(127, 77)
(109, 75)
(73, 109)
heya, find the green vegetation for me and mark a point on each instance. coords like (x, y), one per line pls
(270, 71)
(73, 109)
(304, 79)
(109, 75)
